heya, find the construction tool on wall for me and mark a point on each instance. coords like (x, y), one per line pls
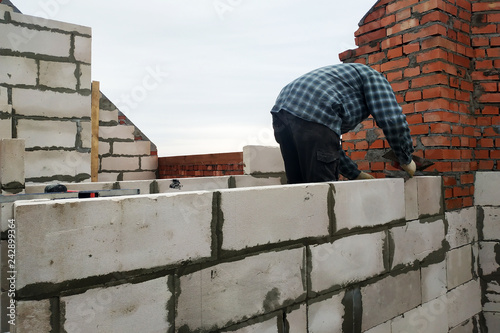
(420, 162)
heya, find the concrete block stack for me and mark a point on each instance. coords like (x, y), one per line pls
(45, 94)
(339, 256)
(125, 153)
(441, 59)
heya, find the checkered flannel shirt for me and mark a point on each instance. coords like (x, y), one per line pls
(342, 96)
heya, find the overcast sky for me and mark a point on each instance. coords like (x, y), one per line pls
(200, 76)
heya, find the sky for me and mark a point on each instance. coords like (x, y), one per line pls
(201, 76)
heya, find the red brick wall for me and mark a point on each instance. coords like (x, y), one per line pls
(442, 59)
(201, 165)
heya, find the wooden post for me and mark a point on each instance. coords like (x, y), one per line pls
(94, 152)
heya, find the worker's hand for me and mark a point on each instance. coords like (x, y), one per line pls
(364, 175)
(410, 168)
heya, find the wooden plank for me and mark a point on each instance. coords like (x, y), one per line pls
(94, 152)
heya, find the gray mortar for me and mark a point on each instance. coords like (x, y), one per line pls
(231, 182)
(154, 187)
(332, 226)
(55, 315)
(217, 223)
(353, 311)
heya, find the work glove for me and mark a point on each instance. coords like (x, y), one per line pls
(410, 168)
(364, 175)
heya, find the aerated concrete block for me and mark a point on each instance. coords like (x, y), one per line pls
(462, 227)
(83, 49)
(492, 321)
(48, 133)
(85, 74)
(430, 196)
(5, 121)
(486, 188)
(434, 281)
(124, 132)
(132, 148)
(262, 159)
(141, 307)
(119, 163)
(18, 70)
(297, 320)
(212, 297)
(347, 260)
(58, 74)
(492, 297)
(250, 181)
(4, 97)
(491, 223)
(458, 266)
(40, 21)
(104, 148)
(33, 316)
(327, 315)
(12, 162)
(389, 298)
(22, 39)
(140, 175)
(149, 162)
(416, 241)
(56, 162)
(367, 203)
(86, 135)
(463, 303)
(466, 327)
(430, 317)
(488, 252)
(28, 102)
(193, 184)
(75, 239)
(411, 199)
(304, 213)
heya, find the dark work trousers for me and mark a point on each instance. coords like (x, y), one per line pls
(310, 150)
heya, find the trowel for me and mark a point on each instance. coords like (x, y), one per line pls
(421, 164)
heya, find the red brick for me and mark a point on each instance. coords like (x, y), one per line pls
(460, 166)
(449, 180)
(433, 30)
(493, 110)
(402, 26)
(400, 86)
(395, 64)
(486, 165)
(438, 140)
(438, 92)
(439, 66)
(362, 145)
(486, 143)
(427, 6)
(494, 41)
(377, 57)
(487, 29)
(411, 48)
(489, 98)
(429, 80)
(464, 4)
(391, 42)
(370, 37)
(436, 104)
(440, 128)
(480, 41)
(397, 5)
(374, 25)
(411, 96)
(455, 203)
(414, 118)
(394, 76)
(442, 154)
(483, 121)
(432, 55)
(395, 53)
(419, 129)
(375, 14)
(448, 193)
(493, 52)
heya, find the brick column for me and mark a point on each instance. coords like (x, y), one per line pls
(425, 50)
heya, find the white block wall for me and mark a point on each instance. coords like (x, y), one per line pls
(45, 80)
(251, 260)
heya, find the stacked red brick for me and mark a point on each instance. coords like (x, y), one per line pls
(427, 49)
(200, 165)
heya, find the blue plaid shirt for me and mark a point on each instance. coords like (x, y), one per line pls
(343, 95)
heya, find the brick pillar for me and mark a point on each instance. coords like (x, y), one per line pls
(485, 32)
(425, 49)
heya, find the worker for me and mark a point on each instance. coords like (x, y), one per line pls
(314, 110)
